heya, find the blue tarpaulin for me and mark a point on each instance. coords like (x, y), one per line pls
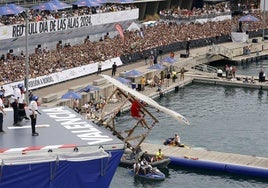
(67, 174)
(60, 4)
(5, 10)
(16, 8)
(88, 3)
(47, 6)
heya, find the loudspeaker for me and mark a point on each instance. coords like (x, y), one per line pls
(11, 51)
(75, 6)
(184, 55)
(254, 40)
(39, 46)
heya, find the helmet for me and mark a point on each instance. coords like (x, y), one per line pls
(20, 85)
(35, 98)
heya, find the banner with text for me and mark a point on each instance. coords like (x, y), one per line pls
(65, 75)
(62, 24)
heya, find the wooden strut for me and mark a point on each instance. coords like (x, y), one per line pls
(109, 98)
(116, 112)
(141, 121)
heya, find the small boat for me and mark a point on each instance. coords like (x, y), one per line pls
(170, 142)
(129, 159)
(154, 174)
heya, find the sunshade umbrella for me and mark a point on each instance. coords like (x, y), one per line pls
(169, 60)
(71, 95)
(5, 10)
(133, 73)
(248, 18)
(18, 9)
(88, 3)
(123, 80)
(89, 88)
(46, 6)
(157, 67)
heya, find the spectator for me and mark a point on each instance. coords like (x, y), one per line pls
(99, 67)
(2, 113)
(114, 67)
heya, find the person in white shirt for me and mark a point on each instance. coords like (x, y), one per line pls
(21, 100)
(2, 113)
(33, 110)
(15, 104)
(99, 68)
(177, 140)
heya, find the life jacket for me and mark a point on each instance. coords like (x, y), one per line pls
(159, 155)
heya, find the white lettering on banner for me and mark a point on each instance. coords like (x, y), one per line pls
(82, 129)
(54, 78)
(62, 24)
(40, 81)
(215, 19)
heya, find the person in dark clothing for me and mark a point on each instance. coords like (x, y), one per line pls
(99, 68)
(146, 157)
(155, 59)
(15, 104)
(188, 47)
(114, 69)
(240, 27)
(261, 73)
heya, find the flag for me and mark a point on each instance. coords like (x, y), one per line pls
(120, 30)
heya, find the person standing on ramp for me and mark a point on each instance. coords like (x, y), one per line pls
(33, 110)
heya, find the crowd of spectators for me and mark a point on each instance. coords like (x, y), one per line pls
(207, 11)
(36, 15)
(45, 61)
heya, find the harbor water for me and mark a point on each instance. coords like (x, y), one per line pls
(224, 119)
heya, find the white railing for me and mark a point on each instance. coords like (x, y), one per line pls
(220, 50)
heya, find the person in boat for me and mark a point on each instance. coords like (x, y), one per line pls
(177, 140)
(136, 167)
(145, 167)
(159, 155)
(146, 157)
(174, 141)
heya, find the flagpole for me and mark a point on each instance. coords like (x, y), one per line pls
(264, 20)
(26, 57)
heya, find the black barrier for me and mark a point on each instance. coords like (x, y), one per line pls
(177, 46)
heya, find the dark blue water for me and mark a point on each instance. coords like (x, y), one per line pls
(225, 119)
